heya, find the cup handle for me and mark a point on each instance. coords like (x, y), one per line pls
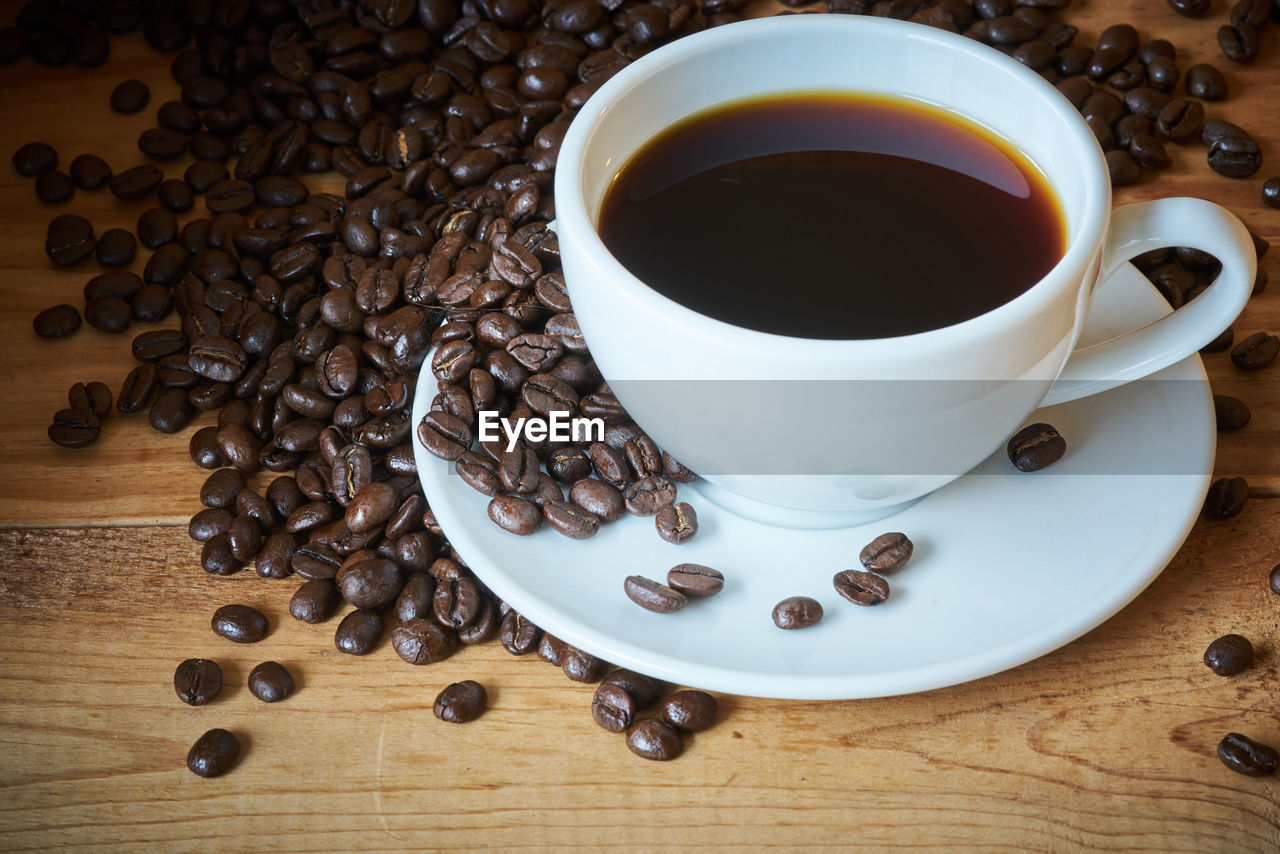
(1139, 228)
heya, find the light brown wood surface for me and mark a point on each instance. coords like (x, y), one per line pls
(1106, 744)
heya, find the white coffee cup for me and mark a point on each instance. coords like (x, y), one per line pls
(844, 431)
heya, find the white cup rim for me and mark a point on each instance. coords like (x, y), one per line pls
(1082, 246)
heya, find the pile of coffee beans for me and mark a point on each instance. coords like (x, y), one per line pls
(304, 317)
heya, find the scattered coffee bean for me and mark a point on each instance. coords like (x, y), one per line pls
(861, 588)
(239, 623)
(57, 321)
(580, 666)
(461, 702)
(690, 711)
(74, 428)
(130, 96)
(1231, 412)
(695, 580)
(197, 681)
(89, 172)
(652, 595)
(54, 187)
(69, 240)
(797, 612)
(887, 552)
(613, 707)
(33, 158)
(213, 754)
(1255, 352)
(136, 183)
(270, 682)
(1271, 192)
(1246, 756)
(1205, 82)
(358, 633)
(1226, 497)
(676, 523)
(116, 247)
(1036, 446)
(654, 739)
(421, 641)
(1229, 655)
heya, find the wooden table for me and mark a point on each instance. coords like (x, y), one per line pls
(1106, 743)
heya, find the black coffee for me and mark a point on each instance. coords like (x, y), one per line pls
(832, 216)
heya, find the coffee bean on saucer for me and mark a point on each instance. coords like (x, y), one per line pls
(270, 682)
(1231, 412)
(797, 612)
(861, 588)
(460, 702)
(239, 623)
(676, 523)
(1226, 497)
(887, 552)
(1036, 446)
(1246, 756)
(57, 321)
(197, 681)
(690, 711)
(1229, 655)
(514, 514)
(695, 580)
(213, 753)
(654, 739)
(652, 595)
(1255, 352)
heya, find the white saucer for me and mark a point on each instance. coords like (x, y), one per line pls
(1007, 567)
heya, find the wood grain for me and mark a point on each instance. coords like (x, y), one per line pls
(1105, 744)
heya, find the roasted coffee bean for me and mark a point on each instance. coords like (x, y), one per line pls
(370, 583)
(162, 144)
(1226, 497)
(231, 194)
(1206, 82)
(1255, 352)
(197, 681)
(1239, 42)
(239, 623)
(69, 239)
(1036, 446)
(1123, 168)
(652, 595)
(653, 739)
(116, 247)
(93, 396)
(690, 711)
(54, 187)
(315, 601)
(518, 469)
(109, 314)
(515, 515)
(1246, 756)
(1234, 156)
(1180, 119)
(209, 523)
(275, 558)
(1149, 152)
(358, 633)
(570, 520)
(887, 552)
(861, 588)
(643, 689)
(1271, 192)
(154, 345)
(581, 666)
(213, 754)
(420, 641)
(157, 227)
(175, 196)
(74, 428)
(216, 557)
(270, 682)
(170, 411)
(676, 523)
(135, 183)
(130, 96)
(519, 636)
(1273, 579)
(460, 702)
(612, 707)
(371, 506)
(89, 172)
(221, 488)
(1190, 8)
(648, 495)
(33, 158)
(57, 321)
(1231, 413)
(598, 498)
(204, 450)
(1229, 655)
(444, 435)
(695, 580)
(797, 612)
